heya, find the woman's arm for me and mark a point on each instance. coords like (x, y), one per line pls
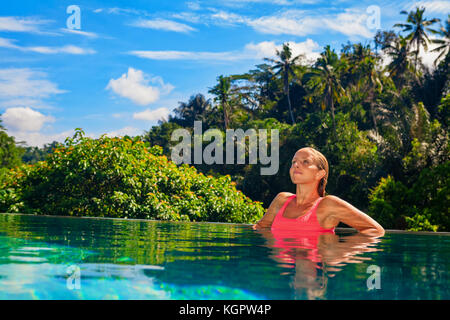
(338, 210)
(269, 216)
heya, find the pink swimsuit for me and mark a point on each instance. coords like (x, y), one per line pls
(307, 222)
(297, 234)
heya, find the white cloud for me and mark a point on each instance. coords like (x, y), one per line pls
(38, 139)
(24, 87)
(117, 115)
(165, 88)
(17, 24)
(251, 51)
(287, 24)
(79, 32)
(24, 119)
(190, 17)
(193, 5)
(351, 23)
(309, 48)
(134, 85)
(229, 18)
(117, 10)
(162, 24)
(152, 115)
(8, 43)
(240, 3)
(267, 49)
(186, 55)
(23, 102)
(130, 131)
(431, 6)
(429, 57)
(69, 49)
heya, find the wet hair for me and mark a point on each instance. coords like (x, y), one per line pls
(321, 162)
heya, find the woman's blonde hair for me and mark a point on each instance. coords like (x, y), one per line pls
(321, 163)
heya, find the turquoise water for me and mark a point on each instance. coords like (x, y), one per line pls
(45, 257)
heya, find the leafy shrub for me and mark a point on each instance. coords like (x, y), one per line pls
(420, 223)
(123, 178)
(388, 203)
(422, 207)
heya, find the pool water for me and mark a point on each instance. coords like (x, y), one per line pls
(48, 257)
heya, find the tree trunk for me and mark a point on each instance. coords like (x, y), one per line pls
(290, 108)
(373, 118)
(372, 111)
(286, 91)
(225, 115)
(332, 116)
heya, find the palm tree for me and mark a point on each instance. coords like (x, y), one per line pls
(285, 66)
(223, 96)
(444, 43)
(324, 80)
(195, 109)
(400, 56)
(418, 25)
(264, 79)
(366, 78)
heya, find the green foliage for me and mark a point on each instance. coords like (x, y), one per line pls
(420, 223)
(422, 207)
(160, 135)
(122, 178)
(10, 154)
(444, 110)
(370, 120)
(431, 193)
(35, 154)
(388, 205)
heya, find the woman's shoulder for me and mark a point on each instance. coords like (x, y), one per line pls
(285, 194)
(281, 198)
(330, 201)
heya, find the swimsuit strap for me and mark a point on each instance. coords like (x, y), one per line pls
(307, 214)
(281, 211)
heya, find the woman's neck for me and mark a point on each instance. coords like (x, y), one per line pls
(306, 193)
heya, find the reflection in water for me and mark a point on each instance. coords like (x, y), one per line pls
(126, 259)
(317, 256)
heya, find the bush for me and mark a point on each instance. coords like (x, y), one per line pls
(422, 207)
(388, 203)
(122, 178)
(420, 223)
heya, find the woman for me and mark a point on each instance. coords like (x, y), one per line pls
(312, 211)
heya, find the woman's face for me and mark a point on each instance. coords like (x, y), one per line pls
(303, 168)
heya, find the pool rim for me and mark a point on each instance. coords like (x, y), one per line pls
(340, 230)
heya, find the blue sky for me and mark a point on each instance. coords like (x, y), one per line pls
(131, 62)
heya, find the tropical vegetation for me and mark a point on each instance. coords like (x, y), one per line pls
(376, 110)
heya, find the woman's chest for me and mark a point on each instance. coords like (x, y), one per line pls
(294, 211)
(309, 213)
